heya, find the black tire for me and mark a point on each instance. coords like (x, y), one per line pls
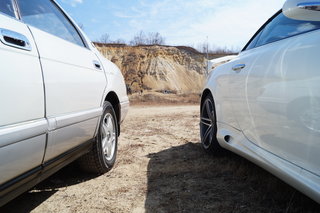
(208, 126)
(102, 156)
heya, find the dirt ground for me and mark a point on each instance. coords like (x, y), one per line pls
(162, 168)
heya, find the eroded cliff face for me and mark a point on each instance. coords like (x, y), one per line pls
(158, 68)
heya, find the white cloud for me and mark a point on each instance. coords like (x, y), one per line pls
(73, 3)
(234, 25)
(226, 23)
(181, 22)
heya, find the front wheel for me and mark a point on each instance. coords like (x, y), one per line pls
(102, 156)
(208, 126)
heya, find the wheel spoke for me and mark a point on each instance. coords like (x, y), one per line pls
(110, 125)
(104, 130)
(110, 147)
(206, 121)
(109, 122)
(206, 135)
(104, 145)
(108, 136)
(209, 109)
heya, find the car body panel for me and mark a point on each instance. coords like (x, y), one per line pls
(269, 110)
(72, 82)
(297, 177)
(68, 137)
(273, 91)
(53, 98)
(26, 85)
(115, 84)
(69, 131)
(74, 88)
(22, 105)
(31, 151)
(217, 81)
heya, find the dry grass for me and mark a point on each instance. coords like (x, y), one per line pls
(161, 167)
(156, 98)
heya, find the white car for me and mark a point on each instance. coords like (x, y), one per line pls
(265, 103)
(60, 99)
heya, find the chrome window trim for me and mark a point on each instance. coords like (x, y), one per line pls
(16, 16)
(263, 27)
(69, 19)
(85, 41)
(16, 9)
(260, 29)
(75, 26)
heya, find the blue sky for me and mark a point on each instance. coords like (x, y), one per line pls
(182, 22)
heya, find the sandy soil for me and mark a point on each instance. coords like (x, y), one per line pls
(162, 168)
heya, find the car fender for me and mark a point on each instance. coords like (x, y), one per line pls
(217, 83)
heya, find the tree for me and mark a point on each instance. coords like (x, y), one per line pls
(138, 39)
(154, 38)
(203, 47)
(213, 49)
(118, 41)
(105, 38)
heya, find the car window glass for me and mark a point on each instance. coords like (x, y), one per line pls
(6, 7)
(47, 17)
(254, 41)
(282, 27)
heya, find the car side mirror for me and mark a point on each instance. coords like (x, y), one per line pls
(305, 10)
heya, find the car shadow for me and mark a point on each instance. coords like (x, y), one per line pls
(68, 176)
(186, 179)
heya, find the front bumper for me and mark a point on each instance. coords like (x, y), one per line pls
(124, 106)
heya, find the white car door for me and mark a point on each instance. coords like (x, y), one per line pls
(276, 91)
(22, 124)
(74, 79)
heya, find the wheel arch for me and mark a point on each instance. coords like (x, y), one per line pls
(206, 92)
(215, 147)
(203, 96)
(114, 100)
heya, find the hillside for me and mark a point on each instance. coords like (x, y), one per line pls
(158, 68)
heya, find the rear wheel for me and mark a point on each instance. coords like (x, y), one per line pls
(208, 126)
(102, 156)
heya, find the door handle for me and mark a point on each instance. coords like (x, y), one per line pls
(14, 39)
(238, 67)
(97, 64)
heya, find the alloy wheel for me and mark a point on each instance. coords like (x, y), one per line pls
(108, 136)
(207, 123)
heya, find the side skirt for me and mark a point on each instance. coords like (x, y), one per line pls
(26, 181)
